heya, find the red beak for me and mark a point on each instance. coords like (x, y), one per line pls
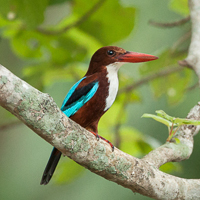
(134, 57)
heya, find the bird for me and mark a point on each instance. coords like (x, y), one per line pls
(93, 95)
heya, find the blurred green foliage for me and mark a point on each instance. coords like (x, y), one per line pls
(67, 171)
(54, 40)
(177, 83)
(51, 47)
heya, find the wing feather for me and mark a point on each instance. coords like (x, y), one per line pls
(76, 98)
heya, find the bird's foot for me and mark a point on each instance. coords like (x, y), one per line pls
(98, 136)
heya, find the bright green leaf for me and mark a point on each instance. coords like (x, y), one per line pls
(158, 118)
(169, 120)
(67, 171)
(164, 115)
(106, 21)
(180, 6)
(74, 71)
(30, 12)
(133, 142)
(171, 167)
(131, 97)
(176, 120)
(177, 140)
(110, 117)
(54, 2)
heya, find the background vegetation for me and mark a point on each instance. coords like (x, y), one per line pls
(49, 44)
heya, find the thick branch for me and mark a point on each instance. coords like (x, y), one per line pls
(39, 112)
(193, 58)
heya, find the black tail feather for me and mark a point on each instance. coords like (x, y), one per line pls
(51, 166)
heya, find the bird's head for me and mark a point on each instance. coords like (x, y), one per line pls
(115, 57)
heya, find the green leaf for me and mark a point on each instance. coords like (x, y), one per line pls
(8, 27)
(131, 97)
(180, 6)
(133, 142)
(110, 117)
(33, 73)
(109, 26)
(176, 89)
(69, 73)
(30, 12)
(169, 120)
(177, 140)
(67, 171)
(171, 167)
(158, 118)
(28, 44)
(84, 40)
(164, 115)
(32, 44)
(54, 2)
(176, 120)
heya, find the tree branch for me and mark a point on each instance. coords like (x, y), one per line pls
(164, 72)
(193, 58)
(39, 112)
(170, 24)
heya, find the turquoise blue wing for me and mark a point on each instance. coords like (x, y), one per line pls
(76, 98)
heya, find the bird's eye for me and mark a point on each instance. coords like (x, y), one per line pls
(111, 52)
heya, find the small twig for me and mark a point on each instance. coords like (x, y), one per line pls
(146, 79)
(184, 63)
(181, 40)
(94, 8)
(192, 87)
(170, 132)
(170, 24)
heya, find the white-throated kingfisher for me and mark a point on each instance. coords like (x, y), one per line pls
(94, 94)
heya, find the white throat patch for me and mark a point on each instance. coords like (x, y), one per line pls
(112, 76)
